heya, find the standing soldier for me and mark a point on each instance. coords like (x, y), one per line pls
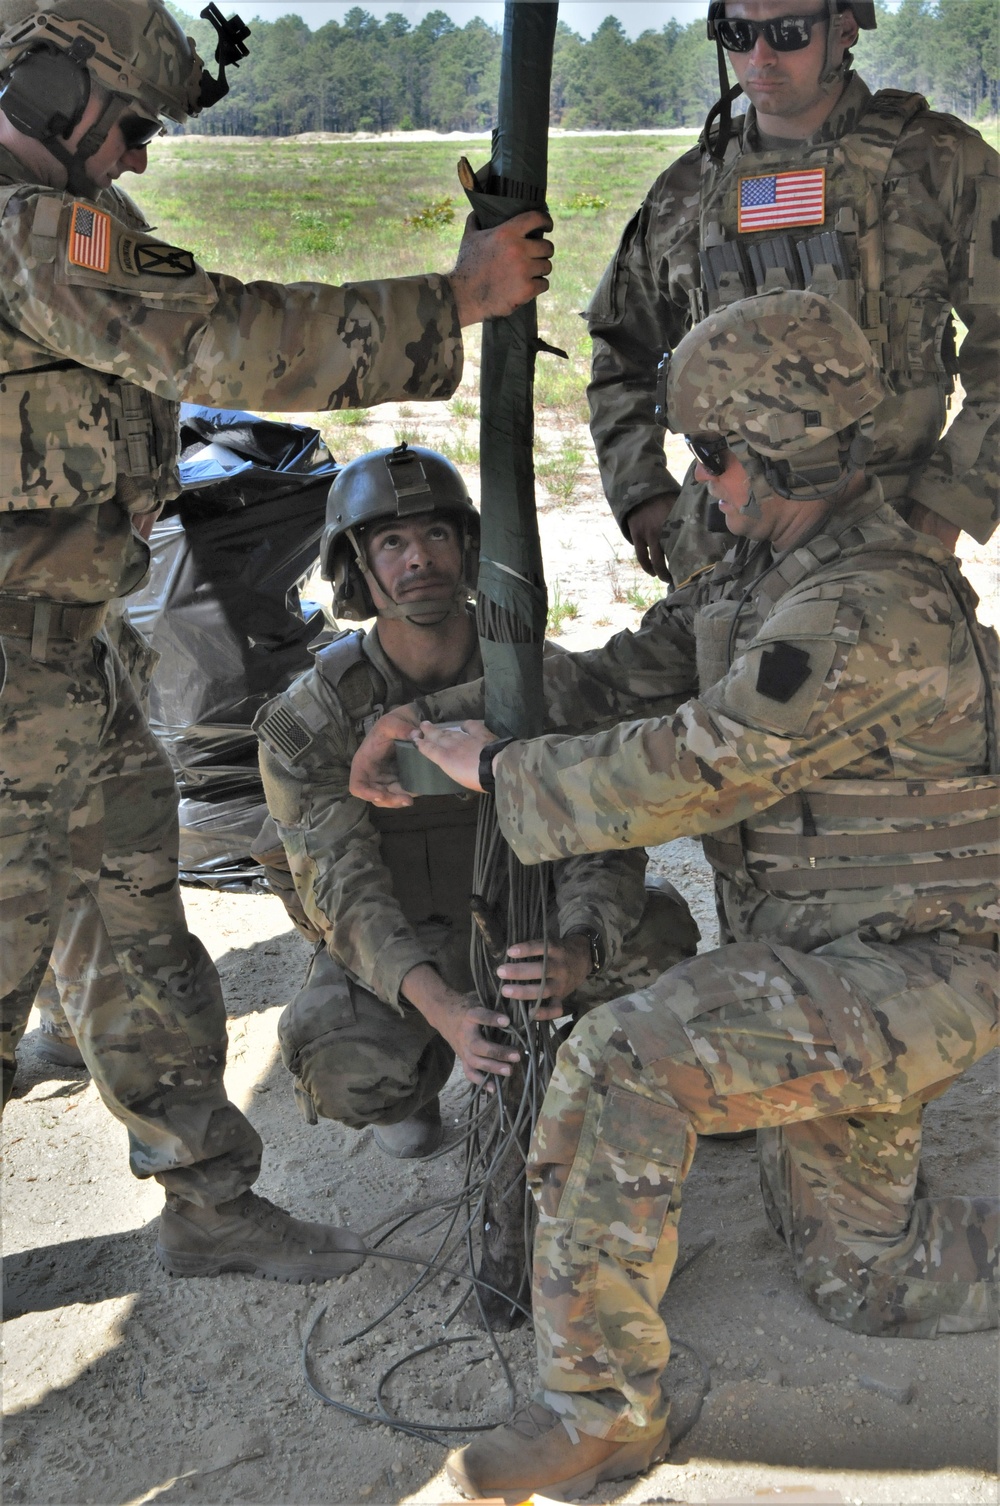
(876, 201)
(373, 1034)
(837, 751)
(103, 330)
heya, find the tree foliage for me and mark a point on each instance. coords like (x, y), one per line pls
(361, 74)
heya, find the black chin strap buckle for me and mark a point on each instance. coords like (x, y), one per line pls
(230, 52)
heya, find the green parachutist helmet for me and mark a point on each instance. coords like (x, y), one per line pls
(788, 380)
(386, 486)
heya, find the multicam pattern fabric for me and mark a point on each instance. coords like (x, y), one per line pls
(359, 1052)
(856, 993)
(931, 248)
(93, 365)
(756, 1036)
(81, 931)
(88, 817)
(783, 371)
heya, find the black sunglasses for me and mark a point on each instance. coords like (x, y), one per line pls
(137, 131)
(781, 33)
(713, 453)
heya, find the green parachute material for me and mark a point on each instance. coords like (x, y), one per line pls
(512, 598)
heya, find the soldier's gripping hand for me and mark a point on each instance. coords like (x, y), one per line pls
(548, 972)
(498, 270)
(645, 524)
(461, 1020)
(373, 768)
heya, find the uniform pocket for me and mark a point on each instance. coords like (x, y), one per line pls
(56, 439)
(629, 1160)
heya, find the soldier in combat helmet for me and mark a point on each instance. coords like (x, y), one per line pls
(373, 1034)
(874, 200)
(835, 747)
(103, 330)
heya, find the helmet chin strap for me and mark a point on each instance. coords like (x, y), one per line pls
(430, 612)
(77, 180)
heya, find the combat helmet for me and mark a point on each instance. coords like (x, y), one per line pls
(864, 14)
(403, 483)
(52, 52)
(789, 381)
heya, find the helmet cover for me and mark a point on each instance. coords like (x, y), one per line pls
(782, 371)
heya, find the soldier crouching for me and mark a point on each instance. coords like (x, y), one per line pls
(836, 749)
(372, 1035)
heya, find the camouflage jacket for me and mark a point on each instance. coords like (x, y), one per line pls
(911, 200)
(360, 873)
(822, 716)
(104, 330)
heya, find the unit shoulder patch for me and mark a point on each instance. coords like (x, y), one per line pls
(784, 669)
(144, 258)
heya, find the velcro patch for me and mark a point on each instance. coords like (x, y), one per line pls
(282, 731)
(154, 259)
(784, 669)
(90, 238)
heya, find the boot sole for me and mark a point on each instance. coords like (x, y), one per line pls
(180, 1264)
(631, 1459)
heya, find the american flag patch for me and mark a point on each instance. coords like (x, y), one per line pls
(90, 238)
(783, 199)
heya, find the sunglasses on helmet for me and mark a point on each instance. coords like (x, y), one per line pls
(712, 452)
(781, 33)
(137, 131)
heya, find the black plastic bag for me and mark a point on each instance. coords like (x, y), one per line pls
(221, 607)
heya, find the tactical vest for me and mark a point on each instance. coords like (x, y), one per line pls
(842, 257)
(429, 848)
(851, 834)
(105, 438)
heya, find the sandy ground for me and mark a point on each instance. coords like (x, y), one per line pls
(125, 1386)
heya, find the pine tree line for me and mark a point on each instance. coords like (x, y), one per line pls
(364, 75)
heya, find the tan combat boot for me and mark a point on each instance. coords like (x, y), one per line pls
(536, 1452)
(414, 1138)
(251, 1235)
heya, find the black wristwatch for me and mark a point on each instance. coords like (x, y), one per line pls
(598, 950)
(486, 781)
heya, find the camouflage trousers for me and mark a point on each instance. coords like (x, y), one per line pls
(831, 1055)
(359, 1061)
(88, 831)
(139, 660)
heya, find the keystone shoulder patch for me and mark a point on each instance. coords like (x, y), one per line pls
(784, 669)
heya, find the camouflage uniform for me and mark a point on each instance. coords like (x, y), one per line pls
(103, 330)
(386, 891)
(81, 917)
(831, 747)
(915, 197)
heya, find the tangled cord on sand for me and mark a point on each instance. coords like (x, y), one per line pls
(484, 1232)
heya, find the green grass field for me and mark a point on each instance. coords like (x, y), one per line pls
(335, 210)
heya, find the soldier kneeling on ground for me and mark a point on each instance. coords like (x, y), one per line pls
(836, 749)
(372, 1036)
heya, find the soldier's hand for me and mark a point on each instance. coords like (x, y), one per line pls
(645, 524)
(498, 270)
(461, 1020)
(567, 966)
(455, 747)
(373, 769)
